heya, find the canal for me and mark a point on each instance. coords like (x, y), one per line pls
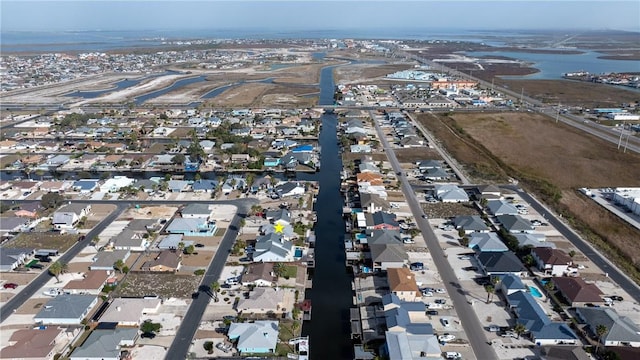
(331, 295)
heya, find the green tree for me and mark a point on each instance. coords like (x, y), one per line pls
(490, 289)
(519, 329)
(528, 260)
(149, 327)
(208, 345)
(279, 269)
(51, 200)
(58, 268)
(189, 250)
(178, 159)
(464, 241)
(119, 265)
(601, 330)
(215, 288)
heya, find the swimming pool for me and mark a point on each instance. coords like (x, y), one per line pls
(298, 253)
(535, 292)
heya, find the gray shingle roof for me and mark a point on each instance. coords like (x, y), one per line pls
(620, 328)
(104, 343)
(66, 307)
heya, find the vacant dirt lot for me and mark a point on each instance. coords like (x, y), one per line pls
(411, 155)
(548, 158)
(572, 93)
(44, 241)
(151, 212)
(163, 285)
(364, 72)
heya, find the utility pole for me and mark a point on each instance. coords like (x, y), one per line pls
(558, 113)
(626, 142)
(493, 78)
(620, 140)
(522, 96)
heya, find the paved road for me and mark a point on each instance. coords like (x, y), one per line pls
(37, 283)
(598, 259)
(469, 319)
(187, 330)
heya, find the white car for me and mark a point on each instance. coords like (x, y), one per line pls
(51, 292)
(494, 328)
(464, 257)
(446, 338)
(441, 291)
(452, 355)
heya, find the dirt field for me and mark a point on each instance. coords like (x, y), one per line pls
(548, 159)
(44, 241)
(259, 95)
(364, 72)
(448, 210)
(163, 285)
(411, 155)
(202, 259)
(572, 93)
(151, 212)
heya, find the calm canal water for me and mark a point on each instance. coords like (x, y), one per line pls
(331, 295)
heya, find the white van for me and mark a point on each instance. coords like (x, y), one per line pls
(452, 355)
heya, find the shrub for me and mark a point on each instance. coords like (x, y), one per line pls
(199, 272)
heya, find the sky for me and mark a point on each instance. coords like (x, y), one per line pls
(107, 15)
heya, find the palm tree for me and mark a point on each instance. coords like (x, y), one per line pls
(549, 287)
(58, 268)
(601, 330)
(490, 289)
(519, 329)
(119, 265)
(215, 287)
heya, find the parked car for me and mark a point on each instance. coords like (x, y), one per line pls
(446, 338)
(509, 333)
(37, 266)
(464, 257)
(452, 355)
(441, 301)
(416, 266)
(10, 285)
(494, 328)
(616, 298)
(432, 312)
(149, 335)
(199, 245)
(224, 347)
(441, 291)
(445, 322)
(427, 293)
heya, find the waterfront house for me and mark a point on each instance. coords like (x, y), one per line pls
(407, 316)
(85, 186)
(289, 189)
(259, 337)
(259, 274)
(381, 221)
(402, 345)
(116, 183)
(402, 283)
(371, 203)
(262, 301)
(204, 186)
(272, 247)
(66, 309)
(178, 186)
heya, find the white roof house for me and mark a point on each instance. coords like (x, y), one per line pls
(451, 193)
(116, 183)
(130, 311)
(256, 337)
